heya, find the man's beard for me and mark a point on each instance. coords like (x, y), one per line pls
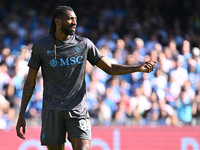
(67, 30)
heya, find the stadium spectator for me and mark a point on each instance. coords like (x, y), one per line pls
(131, 27)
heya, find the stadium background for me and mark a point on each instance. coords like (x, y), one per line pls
(128, 32)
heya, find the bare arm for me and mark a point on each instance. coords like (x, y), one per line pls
(116, 69)
(28, 89)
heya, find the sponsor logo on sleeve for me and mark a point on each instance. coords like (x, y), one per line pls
(50, 51)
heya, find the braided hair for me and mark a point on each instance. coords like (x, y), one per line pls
(59, 12)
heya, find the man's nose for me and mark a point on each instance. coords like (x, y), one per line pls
(74, 21)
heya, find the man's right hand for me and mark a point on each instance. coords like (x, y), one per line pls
(21, 123)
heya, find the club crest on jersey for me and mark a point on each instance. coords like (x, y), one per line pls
(78, 48)
(53, 63)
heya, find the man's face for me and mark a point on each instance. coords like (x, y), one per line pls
(68, 23)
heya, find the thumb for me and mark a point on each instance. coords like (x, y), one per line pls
(24, 129)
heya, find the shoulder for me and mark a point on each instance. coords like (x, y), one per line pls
(82, 39)
(43, 40)
(42, 43)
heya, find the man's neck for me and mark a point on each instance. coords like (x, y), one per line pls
(61, 36)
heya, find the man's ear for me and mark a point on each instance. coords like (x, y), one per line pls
(57, 21)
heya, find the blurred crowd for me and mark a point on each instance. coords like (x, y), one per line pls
(127, 32)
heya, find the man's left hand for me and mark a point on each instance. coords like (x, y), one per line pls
(148, 66)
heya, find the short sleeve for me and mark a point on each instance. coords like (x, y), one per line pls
(93, 53)
(35, 61)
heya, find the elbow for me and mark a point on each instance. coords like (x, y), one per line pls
(113, 70)
(30, 82)
(108, 68)
(110, 71)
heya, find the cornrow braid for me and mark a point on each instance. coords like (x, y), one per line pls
(59, 12)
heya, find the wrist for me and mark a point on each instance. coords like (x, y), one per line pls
(21, 113)
(138, 69)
